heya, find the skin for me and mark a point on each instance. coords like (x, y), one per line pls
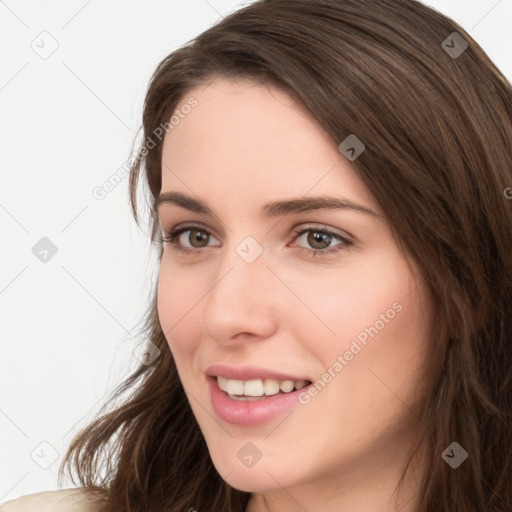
(245, 144)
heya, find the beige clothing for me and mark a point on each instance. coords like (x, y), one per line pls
(63, 500)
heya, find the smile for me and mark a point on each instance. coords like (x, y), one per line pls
(258, 389)
(252, 406)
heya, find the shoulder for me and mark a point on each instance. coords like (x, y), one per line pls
(63, 500)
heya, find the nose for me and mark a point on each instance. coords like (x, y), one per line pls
(243, 301)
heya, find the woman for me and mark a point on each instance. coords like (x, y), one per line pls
(330, 199)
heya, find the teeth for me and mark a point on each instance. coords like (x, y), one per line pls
(234, 387)
(258, 387)
(252, 388)
(271, 387)
(286, 386)
(300, 384)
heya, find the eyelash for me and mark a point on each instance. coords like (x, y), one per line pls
(173, 235)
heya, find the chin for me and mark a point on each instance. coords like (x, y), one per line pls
(263, 476)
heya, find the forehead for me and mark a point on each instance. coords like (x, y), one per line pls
(241, 115)
(251, 140)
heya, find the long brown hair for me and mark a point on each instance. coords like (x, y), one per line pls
(436, 119)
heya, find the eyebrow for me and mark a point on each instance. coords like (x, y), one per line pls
(271, 209)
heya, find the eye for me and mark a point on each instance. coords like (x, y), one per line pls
(197, 238)
(320, 239)
(192, 238)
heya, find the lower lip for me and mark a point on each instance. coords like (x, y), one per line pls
(248, 413)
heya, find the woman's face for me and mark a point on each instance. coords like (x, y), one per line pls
(255, 288)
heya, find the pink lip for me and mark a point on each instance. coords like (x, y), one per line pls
(250, 413)
(248, 373)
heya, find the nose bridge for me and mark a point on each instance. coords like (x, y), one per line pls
(239, 300)
(242, 274)
(245, 262)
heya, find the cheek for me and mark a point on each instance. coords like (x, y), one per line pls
(351, 298)
(372, 389)
(383, 338)
(177, 301)
(375, 317)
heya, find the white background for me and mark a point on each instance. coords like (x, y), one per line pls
(67, 122)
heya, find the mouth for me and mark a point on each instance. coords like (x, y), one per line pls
(253, 402)
(258, 389)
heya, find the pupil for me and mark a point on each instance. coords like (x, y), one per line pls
(316, 237)
(197, 236)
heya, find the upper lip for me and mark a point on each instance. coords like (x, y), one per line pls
(249, 373)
